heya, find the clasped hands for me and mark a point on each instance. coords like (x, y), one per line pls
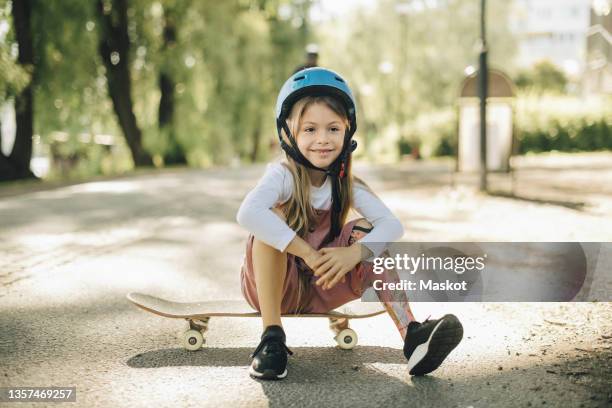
(333, 263)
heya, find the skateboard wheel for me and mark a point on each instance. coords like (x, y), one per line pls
(346, 339)
(193, 340)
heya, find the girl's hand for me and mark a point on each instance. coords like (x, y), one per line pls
(335, 263)
(312, 258)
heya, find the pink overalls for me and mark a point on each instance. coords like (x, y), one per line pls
(357, 280)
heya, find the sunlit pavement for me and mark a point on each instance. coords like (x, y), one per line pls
(68, 257)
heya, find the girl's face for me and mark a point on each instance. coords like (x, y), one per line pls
(320, 135)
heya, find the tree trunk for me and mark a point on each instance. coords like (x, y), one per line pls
(17, 164)
(7, 170)
(256, 138)
(174, 153)
(114, 48)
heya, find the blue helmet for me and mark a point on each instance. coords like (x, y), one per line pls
(316, 81)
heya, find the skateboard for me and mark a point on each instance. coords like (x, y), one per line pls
(198, 314)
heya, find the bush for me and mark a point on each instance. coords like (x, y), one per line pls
(572, 137)
(404, 146)
(543, 76)
(446, 147)
(563, 123)
(543, 122)
(434, 133)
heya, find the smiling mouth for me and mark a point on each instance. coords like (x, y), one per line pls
(322, 151)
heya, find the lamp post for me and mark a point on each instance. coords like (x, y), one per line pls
(403, 9)
(482, 93)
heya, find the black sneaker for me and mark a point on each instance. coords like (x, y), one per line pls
(427, 344)
(270, 356)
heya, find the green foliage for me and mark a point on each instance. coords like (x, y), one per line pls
(404, 66)
(581, 135)
(227, 63)
(434, 133)
(404, 147)
(14, 77)
(543, 122)
(76, 159)
(447, 146)
(563, 123)
(70, 91)
(543, 77)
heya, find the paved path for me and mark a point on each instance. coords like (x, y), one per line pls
(68, 256)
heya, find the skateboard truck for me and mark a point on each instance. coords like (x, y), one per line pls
(193, 337)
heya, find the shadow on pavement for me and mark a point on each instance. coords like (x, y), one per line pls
(573, 205)
(305, 367)
(378, 376)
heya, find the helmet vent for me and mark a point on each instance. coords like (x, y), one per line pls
(299, 78)
(339, 79)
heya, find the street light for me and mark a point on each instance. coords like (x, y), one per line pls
(403, 9)
(482, 93)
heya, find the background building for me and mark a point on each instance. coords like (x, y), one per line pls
(554, 30)
(598, 71)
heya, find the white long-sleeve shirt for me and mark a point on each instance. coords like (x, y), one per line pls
(276, 186)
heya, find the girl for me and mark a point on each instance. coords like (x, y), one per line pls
(301, 257)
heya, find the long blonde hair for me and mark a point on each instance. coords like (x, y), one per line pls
(298, 210)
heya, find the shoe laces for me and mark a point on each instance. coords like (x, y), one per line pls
(274, 345)
(416, 325)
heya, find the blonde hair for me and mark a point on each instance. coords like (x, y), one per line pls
(298, 210)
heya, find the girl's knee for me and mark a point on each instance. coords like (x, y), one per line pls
(361, 228)
(363, 223)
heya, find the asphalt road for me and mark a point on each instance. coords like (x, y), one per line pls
(69, 255)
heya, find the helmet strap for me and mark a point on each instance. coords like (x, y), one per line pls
(293, 151)
(337, 170)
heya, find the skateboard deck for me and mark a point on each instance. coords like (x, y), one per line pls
(238, 308)
(198, 314)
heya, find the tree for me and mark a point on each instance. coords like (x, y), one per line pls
(17, 164)
(544, 76)
(182, 80)
(174, 153)
(114, 49)
(417, 69)
(229, 64)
